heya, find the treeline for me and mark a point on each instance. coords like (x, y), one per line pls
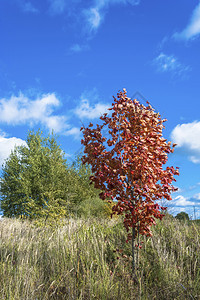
(38, 182)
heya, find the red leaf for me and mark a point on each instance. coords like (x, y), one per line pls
(128, 164)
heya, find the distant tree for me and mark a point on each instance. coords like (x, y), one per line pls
(85, 200)
(34, 180)
(81, 182)
(182, 216)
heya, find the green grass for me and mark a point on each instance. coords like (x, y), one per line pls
(90, 259)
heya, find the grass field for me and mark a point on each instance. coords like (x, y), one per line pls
(90, 259)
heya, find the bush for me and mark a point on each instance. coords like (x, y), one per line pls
(182, 216)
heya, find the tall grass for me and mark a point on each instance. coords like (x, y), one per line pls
(90, 259)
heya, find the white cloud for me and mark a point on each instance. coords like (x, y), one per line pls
(192, 30)
(57, 123)
(197, 196)
(95, 14)
(194, 159)
(8, 144)
(92, 12)
(84, 110)
(94, 17)
(182, 201)
(187, 137)
(169, 63)
(186, 204)
(20, 110)
(75, 132)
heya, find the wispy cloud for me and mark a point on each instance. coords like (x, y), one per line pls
(95, 14)
(28, 7)
(90, 14)
(192, 30)
(197, 196)
(162, 43)
(57, 6)
(194, 186)
(169, 63)
(74, 132)
(76, 48)
(93, 17)
(19, 110)
(87, 111)
(7, 145)
(187, 136)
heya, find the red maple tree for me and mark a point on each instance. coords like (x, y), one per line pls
(128, 166)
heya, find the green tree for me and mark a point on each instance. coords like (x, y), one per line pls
(34, 180)
(182, 216)
(85, 199)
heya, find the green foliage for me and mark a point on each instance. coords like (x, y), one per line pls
(38, 183)
(85, 199)
(95, 207)
(34, 180)
(182, 216)
(82, 189)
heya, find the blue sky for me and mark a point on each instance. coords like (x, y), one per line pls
(61, 61)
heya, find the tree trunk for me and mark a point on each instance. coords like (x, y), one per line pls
(133, 250)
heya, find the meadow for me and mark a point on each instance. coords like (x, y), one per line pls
(90, 259)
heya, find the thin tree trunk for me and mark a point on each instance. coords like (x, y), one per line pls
(133, 250)
(138, 242)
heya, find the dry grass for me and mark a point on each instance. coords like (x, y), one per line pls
(83, 259)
